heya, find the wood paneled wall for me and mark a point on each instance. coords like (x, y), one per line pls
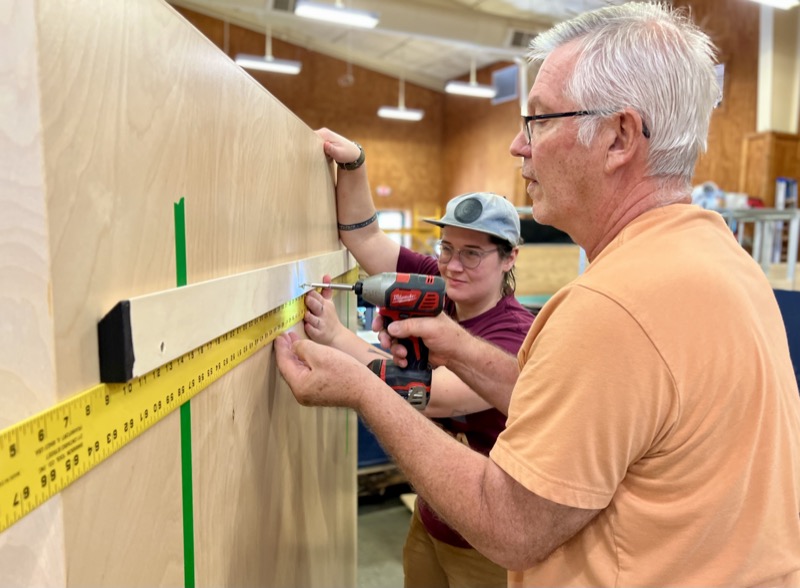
(766, 157)
(114, 111)
(402, 156)
(462, 143)
(476, 141)
(733, 26)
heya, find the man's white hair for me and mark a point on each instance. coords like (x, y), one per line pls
(648, 57)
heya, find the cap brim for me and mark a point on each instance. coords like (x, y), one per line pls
(439, 223)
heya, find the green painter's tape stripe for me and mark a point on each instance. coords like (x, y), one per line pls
(188, 502)
(186, 418)
(347, 411)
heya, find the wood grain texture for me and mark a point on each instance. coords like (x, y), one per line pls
(476, 141)
(462, 144)
(139, 110)
(768, 156)
(542, 269)
(32, 552)
(157, 320)
(733, 27)
(406, 157)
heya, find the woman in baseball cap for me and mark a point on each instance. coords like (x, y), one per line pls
(480, 238)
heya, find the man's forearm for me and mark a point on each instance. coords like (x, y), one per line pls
(488, 370)
(432, 461)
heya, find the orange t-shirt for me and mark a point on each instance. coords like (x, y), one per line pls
(658, 387)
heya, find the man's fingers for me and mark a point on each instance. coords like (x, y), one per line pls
(399, 353)
(289, 364)
(304, 350)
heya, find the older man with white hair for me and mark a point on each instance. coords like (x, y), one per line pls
(653, 433)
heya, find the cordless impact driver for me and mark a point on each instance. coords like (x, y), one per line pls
(400, 296)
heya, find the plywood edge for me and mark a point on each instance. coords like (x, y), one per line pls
(143, 333)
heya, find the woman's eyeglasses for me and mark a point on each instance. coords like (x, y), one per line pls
(470, 258)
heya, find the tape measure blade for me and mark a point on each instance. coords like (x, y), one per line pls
(45, 453)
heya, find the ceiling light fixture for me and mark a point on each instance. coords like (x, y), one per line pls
(336, 13)
(268, 62)
(471, 88)
(400, 112)
(783, 4)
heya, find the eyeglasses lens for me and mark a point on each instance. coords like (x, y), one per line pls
(469, 258)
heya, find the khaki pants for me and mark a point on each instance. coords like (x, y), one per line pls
(428, 563)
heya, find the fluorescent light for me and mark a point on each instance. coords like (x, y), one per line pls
(470, 89)
(399, 113)
(783, 4)
(337, 14)
(269, 63)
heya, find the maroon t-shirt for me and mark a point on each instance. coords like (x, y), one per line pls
(505, 325)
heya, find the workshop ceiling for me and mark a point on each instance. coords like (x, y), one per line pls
(427, 42)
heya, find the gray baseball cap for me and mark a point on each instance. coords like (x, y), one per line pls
(483, 212)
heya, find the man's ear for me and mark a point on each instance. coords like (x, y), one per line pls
(626, 141)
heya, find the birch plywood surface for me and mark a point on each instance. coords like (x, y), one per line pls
(543, 269)
(31, 553)
(138, 110)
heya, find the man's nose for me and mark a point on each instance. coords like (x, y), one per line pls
(519, 146)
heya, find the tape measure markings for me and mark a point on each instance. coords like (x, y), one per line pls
(42, 455)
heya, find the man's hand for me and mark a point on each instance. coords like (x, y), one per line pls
(443, 337)
(319, 375)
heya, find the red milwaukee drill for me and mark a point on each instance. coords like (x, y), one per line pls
(401, 296)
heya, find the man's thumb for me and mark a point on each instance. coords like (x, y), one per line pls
(400, 329)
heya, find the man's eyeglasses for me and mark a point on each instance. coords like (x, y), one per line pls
(528, 119)
(469, 258)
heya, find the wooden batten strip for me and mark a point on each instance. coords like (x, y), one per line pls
(143, 333)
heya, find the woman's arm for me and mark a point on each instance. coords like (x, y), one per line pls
(450, 397)
(372, 248)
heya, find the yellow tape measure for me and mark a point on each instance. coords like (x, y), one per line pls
(42, 455)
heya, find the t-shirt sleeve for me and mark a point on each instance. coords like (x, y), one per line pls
(505, 326)
(592, 397)
(411, 262)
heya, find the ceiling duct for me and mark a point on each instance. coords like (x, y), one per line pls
(518, 39)
(283, 5)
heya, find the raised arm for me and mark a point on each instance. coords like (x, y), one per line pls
(371, 247)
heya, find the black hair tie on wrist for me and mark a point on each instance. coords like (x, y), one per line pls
(360, 225)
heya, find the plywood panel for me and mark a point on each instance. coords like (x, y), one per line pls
(31, 553)
(542, 269)
(139, 110)
(404, 157)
